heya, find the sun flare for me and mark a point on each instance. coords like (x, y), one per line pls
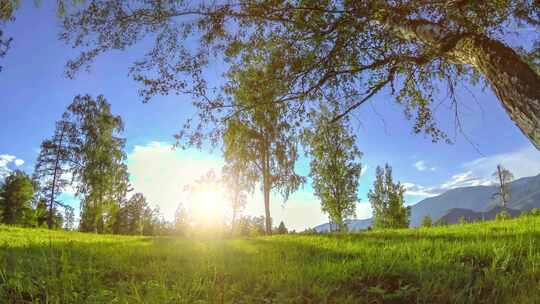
(209, 205)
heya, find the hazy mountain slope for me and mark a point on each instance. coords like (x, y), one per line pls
(525, 194)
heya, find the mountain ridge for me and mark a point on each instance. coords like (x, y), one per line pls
(524, 195)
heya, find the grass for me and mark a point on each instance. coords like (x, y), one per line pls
(491, 262)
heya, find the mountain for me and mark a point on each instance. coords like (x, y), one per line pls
(352, 225)
(453, 216)
(466, 202)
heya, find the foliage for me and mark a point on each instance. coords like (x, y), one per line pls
(248, 226)
(427, 222)
(387, 201)
(490, 262)
(462, 220)
(341, 51)
(16, 194)
(130, 217)
(502, 216)
(181, 220)
(335, 169)
(281, 229)
(504, 177)
(101, 174)
(55, 163)
(238, 184)
(261, 137)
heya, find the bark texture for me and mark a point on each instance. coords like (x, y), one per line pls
(514, 82)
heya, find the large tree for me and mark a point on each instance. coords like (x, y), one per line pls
(345, 51)
(55, 164)
(16, 194)
(101, 176)
(335, 167)
(260, 136)
(386, 198)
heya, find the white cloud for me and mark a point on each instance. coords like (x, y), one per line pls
(160, 173)
(422, 166)
(6, 163)
(478, 172)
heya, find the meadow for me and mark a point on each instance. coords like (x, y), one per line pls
(490, 262)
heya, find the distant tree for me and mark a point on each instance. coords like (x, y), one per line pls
(462, 220)
(503, 215)
(16, 194)
(41, 212)
(389, 210)
(335, 167)
(130, 217)
(261, 136)
(504, 177)
(281, 229)
(251, 226)
(69, 218)
(101, 174)
(55, 163)
(181, 220)
(427, 221)
(238, 184)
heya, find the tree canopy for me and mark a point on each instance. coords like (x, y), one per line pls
(340, 51)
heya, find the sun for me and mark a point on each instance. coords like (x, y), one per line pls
(209, 205)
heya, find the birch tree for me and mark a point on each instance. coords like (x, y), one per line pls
(344, 51)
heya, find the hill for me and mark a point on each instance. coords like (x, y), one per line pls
(490, 262)
(525, 195)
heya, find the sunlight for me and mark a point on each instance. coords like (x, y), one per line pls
(208, 205)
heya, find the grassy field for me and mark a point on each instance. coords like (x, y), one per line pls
(495, 262)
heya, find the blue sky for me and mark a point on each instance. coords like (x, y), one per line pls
(35, 93)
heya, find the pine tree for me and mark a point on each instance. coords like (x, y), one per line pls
(16, 194)
(386, 198)
(281, 229)
(55, 163)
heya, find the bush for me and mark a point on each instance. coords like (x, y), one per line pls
(503, 215)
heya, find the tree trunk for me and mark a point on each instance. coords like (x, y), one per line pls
(514, 82)
(266, 190)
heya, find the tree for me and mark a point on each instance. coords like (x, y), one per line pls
(427, 221)
(69, 218)
(281, 229)
(335, 169)
(181, 220)
(346, 50)
(261, 137)
(130, 218)
(55, 162)
(387, 201)
(101, 174)
(504, 177)
(238, 183)
(251, 226)
(16, 194)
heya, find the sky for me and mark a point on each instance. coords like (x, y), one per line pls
(35, 93)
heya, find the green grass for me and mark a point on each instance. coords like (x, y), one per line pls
(492, 262)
